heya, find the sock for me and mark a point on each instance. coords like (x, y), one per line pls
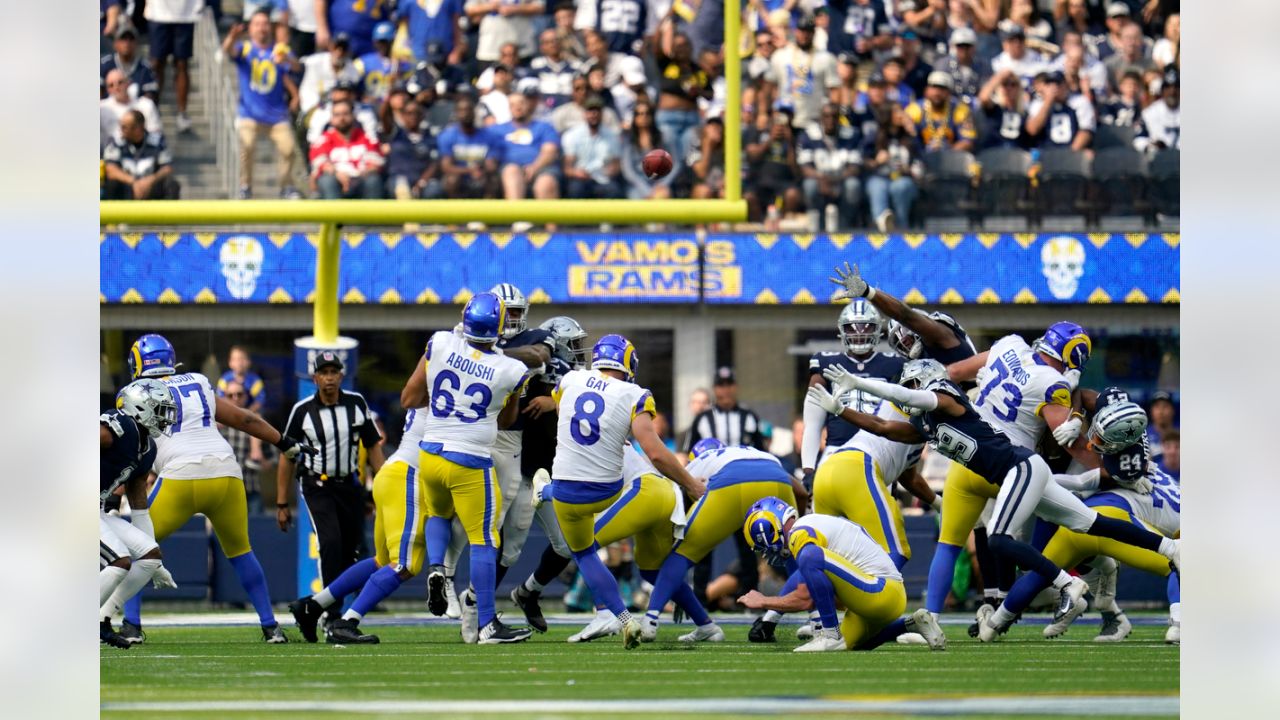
(454, 548)
(986, 562)
(499, 573)
(772, 616)
(670, 576)
(254, 582)
(350, 581)
(941, 570)
(1174, 590)
(991, 593)
(1129, 534)
(684, 597)
(894, 629)
(549, 568)
(812, 563)
(484, 561)
(1001, 617)
(133, 610)
(438, 532)
(1166, 547)
(379, 586)
(139, 575)
(109, 578)
(604, 589)
(1062, 580)
(1025, 556)
(815, 617)
(1023, 592)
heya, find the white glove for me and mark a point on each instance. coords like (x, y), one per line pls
(1073, 378)
(162, 579)
(457, 329)
(851, 283)
(1142, 485)
(823, 398)
(984, 373)
(842, 381)
(1067, 432)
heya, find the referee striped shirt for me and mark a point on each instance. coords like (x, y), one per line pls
(736, 426)
(335, 431)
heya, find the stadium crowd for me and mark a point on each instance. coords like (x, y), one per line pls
(844, 101)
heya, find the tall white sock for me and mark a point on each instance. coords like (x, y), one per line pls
(533, 585)
(772, 616)
(108, 579)
(1175, 613)
(137, 578)
(324, 598)
(1063, 579)
(1166, 547)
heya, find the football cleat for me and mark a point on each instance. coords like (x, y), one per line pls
(915, 638)
(347, 632)
(973, 627)
(806, 631)
(927, 625)
(1115, 627)
(437, 603)
(455, 610)
(631, 631)
(497, 633)
(541, 479)
(527, 601)
(823, 641)
(108, 635)
(306, 613)
(1071, 605)
(710, 632)
(762, 631)
(470, 618)
(648, 629)
(1173, 636)
(603, 624)
(1176, 560)
(132, 633)
(273, 635)
(986, 631)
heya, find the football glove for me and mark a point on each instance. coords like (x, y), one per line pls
(762, 631)
(1142, 485)
(851, 283)
(1067, 432)
(292, 448)
(823, 398)
(1072, 377)
(162, 579)
(842, 381)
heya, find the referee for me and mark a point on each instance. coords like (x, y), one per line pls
(335, 422)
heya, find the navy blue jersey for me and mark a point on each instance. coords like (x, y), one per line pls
(622, 23)
(131, 454)
(538, 444)
(946, 356)
(828, 154)
(1060, 129)
(531, 336)
(881, 367)
(968, 439)
(1003, 128)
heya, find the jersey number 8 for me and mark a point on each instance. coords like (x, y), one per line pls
(581, 414)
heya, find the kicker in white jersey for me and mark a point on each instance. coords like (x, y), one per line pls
(194, 449)
(468, 387)
(848, 540)
(1016, 386)
(594, 425)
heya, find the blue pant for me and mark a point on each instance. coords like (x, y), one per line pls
(677, 128)
(368, 187)
(881, 192)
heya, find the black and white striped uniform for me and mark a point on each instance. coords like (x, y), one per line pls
(736, 426)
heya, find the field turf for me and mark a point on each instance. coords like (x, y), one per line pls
(422, 668)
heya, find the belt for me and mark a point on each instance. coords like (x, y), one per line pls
(322, 479)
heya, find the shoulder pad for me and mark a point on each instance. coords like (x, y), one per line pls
(112, 421)
(943, 385)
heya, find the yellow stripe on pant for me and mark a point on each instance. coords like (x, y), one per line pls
(472, 494)
(964, 496)
(1066, 549)
(578, 521)
(399, 518)
(222, 500)
(870, 603)
(721, 513)
(644, 511)
(848, 485)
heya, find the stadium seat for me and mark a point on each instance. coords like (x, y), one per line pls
(1119, 183)
(1006, 183)
(1109, 136)
(1166, 182)
(1063, 183)
(948, 187)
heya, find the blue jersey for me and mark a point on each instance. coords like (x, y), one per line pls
(521, 145)
(469, 150)
(357, 18)
(946, 356)
(1060, 129)
(881, 367)
(377, 75)
(430, 21)
(830, 155)
(622, 23)
(253, 385)
(531, 336)
(968, 439)
(262, 93)
(131, 455)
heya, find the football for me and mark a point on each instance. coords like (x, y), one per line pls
(657, 163)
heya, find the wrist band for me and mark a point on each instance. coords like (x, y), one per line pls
(871, 293)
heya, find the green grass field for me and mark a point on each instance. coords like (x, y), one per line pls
(425, 669)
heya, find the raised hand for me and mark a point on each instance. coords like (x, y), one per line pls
(850, 281)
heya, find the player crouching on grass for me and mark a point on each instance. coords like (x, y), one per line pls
(834, 563)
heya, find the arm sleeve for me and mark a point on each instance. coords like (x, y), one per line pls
(923, 399)
(1084, 482)
(814, 419)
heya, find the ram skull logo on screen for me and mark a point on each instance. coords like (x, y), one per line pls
(241, 260)
(1062, 262)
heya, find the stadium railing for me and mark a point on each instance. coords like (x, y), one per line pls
(215, 78)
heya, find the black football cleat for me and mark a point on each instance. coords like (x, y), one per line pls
(273, 635)
(762, 631)
(132, 633)
(108, 635)
(497, 633)
(306, 613)
(527, 601)
(437, 602)
(347, 632)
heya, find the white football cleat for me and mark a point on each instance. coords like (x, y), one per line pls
(930, 631)
(648, 629)
(1177, 555)
(824, 641)
(454, 611)
(806, 631)
(1173, 636)
(541, 479)
(987, 632)
(603, 624)
(631, 630)
(470, 619)
(1115, 627)
(710, 632)
(912, 638)
(1071, 605)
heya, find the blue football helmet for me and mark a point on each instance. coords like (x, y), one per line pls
(765, 527)
(152, 356)
(1109, 396)
(483, 318)
(1066, 342)
(614, 352)
(705, 445)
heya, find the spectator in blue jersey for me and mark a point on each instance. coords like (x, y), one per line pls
(412, 167)
(126, 59)
(622, 23)
(915, 71)
(1073, 16)
(137, 165)
(871, 105)
(1124, 109)
(267, 94)
(830, 159)
(356, 18)
(377, 71)
(501, 22)
(240, 370)
(892, 159)
(1057, 119)
(172, 25)
(896, 88)
(433, 21)
(1004, 109)
(642, 137)
(553, 71)
(469, 155)
(865, 30)
(530, 153)
(592, 167)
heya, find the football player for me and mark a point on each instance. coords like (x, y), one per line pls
(837, 563)
(599, 409)
(197, 473)
(472, 391)
(942, 415)
(859, 328)
(127, 550)
(738, 477)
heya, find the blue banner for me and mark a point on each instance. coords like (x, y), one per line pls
(743, 268)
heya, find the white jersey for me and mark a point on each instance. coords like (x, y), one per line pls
(1014, 388)
(193, 449)
(710, 464)
(848, 540)
(414, 423)
(893, 458)
(1162, 508)
(468, 388)
(594, 425)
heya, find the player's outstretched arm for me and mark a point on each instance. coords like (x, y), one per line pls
(661, 457)
(968, 368)
(250, 422)
(531, 355)
(931, 332)
(914, 482)
(414, 394)
(891, 429)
